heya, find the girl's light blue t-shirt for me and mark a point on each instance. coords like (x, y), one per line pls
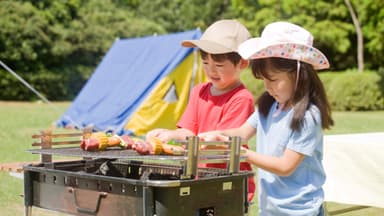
(300, 193)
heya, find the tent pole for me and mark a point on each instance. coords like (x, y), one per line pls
(34, 90)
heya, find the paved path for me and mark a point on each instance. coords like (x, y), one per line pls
(354, 165)
(369, 138)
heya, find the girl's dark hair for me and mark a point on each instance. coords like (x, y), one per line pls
(233, 57)
(310, 90)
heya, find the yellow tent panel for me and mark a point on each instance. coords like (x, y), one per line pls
(165, 105)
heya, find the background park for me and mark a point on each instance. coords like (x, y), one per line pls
(56, 45)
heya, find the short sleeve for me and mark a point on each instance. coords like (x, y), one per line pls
(306, 140)
(253, 119)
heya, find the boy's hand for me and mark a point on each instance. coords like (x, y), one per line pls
(212, 136)
(164, 135)
(155, 132)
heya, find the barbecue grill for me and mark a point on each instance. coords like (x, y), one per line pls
(122, 182)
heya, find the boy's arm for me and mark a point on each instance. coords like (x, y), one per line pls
(246, 131)
(166, 135)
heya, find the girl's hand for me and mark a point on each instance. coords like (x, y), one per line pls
(246, 152)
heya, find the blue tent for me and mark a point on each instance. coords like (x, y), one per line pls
(128, 73)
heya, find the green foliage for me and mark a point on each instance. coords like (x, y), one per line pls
(352, 91)
(255, 86)
(11, 88)
(328, 21)
(327, 79)
(55, 45)
(372, 15)
(63, 41)
(346, 91)
(23, 35)
(179, 15)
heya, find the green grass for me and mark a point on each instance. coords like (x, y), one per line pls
(20, 120)
(357, 122)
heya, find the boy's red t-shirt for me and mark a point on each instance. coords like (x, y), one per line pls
(205, 112)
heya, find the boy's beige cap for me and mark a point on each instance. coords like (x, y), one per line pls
(223, 36)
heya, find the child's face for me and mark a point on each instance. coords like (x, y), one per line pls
(280, 86)
(222, 74)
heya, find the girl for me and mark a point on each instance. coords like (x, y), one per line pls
(288, 122)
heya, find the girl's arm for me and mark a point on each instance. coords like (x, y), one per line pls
(282, 166)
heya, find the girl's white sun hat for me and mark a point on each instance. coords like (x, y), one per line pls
(284, 40)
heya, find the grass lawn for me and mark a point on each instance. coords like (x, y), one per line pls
(20, 120)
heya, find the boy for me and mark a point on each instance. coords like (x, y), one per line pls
(223, 102)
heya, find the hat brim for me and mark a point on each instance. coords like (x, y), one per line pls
(256, 48)
(207, 46)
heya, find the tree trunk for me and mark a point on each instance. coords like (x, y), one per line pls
(360, 43)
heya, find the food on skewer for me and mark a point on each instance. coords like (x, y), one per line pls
(96, 142)
(114, 140)
(99, 141)
(142, 147)
(124, 141)
(151, 146)
(156, 145)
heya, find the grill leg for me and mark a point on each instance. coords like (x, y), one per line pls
(28, 193)
(148, 201)
(28, 211)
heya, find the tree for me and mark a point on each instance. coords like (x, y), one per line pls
(324, 19)
(371, 16)
(181, 15)
(57, 44)
(360, 43)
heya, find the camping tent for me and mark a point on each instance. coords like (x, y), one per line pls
(141, 84)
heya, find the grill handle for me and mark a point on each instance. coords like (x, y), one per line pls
(192, 157)
(234, 162)
(87, 210)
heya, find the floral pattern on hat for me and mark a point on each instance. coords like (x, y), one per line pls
(294, 51)
(284, 40)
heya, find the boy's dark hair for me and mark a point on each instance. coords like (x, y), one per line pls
(233, 57)
(310, 90)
